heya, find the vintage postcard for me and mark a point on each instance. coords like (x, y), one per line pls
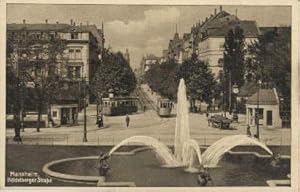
(183, 95)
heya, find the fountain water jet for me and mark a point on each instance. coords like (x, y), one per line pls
(214, 153)
(161, 149)
(182, 129)
(191, 155)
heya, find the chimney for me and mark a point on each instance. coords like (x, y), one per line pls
(24, 21)
(215, 11)
(80, 24)
(221, 8)
(71, 21)
(46, 21)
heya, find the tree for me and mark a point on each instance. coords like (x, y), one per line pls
(37, 63)
(114, 72)
(234, 70)
(199, 80)
(15, 78)
(162, 78)
(271, 62)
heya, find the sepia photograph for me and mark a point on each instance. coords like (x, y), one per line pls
(149, 95)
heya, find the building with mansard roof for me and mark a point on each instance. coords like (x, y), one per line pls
(83, 46)
(207, 39)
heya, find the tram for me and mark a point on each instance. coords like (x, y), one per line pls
(164, 107)
(119, 105)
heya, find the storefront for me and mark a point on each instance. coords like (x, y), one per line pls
(66, 114)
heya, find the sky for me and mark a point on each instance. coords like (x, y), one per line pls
(142, 29)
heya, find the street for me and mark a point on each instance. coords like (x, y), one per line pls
(148, 124)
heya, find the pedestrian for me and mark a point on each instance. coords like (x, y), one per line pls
(207, 114)
(127, 119)
(100, 123)
(248, 131)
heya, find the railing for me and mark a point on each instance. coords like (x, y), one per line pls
(114, 140)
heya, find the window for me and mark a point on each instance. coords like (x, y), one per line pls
(260, 113)
(71, 54)
(70, 72)
(75, 53)
(78, 54)
(77, 71)
(74, 35)
(54, 114)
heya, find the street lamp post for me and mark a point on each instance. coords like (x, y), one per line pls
(257, 110)
(84, 112)
(235, 90)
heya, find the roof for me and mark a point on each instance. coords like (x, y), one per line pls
(97, 33)
(221, 23)
(249, 27)
(248, 89)
(58, 27)
(151, 57)
(279, 30)
(266, 97)
(38, 27)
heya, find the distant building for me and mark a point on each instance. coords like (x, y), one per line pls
(148, 61)
(83, 45)
(207, 39)
(175, 48)
(210, 37)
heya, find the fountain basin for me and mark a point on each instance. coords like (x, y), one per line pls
(141, 168)
(71, 177)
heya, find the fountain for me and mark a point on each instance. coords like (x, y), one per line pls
(186, 150)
